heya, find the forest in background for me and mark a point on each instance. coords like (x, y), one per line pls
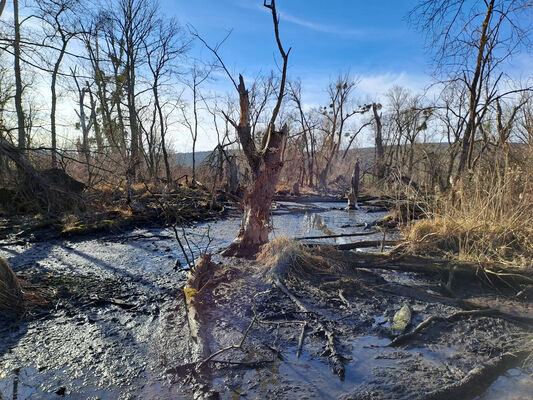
(463, 146)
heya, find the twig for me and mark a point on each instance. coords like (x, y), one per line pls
(232, 347)
(301, 340)
(331, 350)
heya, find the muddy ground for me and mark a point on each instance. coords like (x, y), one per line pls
(357, 307)
(114, 324)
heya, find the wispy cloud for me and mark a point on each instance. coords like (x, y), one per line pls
(335, 30)
(312, 25)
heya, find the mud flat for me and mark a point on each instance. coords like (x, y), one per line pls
(115, 323)
(300, 323)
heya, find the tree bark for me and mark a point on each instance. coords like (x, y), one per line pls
(352, 197)
(18, 79)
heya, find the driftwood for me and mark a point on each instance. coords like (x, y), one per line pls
(477, 380)
(198, 277)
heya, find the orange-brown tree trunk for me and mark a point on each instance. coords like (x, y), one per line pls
(256, 224)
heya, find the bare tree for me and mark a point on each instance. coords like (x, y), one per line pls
(307, 127)
(198, 76)
(160, 56)
(54, 14)
(18, 80)
(135, 21)
(471, 40)
(336, 115)
(265, 162)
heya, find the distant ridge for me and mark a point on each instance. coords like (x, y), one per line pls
(185, 159)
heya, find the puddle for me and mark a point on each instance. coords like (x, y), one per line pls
(515, 384)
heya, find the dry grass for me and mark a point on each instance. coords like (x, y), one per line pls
(287, 258)
(488, 218)
(10, 291)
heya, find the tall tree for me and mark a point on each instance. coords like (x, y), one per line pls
(135, 21)
(18, 80)
(265, 162)
(471, 40)
(54, 14)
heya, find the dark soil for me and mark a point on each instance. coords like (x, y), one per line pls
(110, 322)
(268, 366)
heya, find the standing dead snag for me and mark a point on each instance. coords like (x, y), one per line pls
(352, 197)
(265, 164)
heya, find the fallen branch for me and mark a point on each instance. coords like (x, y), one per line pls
(366, 244)
(331, 350)
(436, 318)
(301, 340)
(343, 235)
(232, 347)
(479, 378)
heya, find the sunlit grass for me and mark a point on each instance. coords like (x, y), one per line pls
(488, 218)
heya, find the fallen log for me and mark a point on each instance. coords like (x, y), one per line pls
(479, 378)
(198, 277)
(308, 198)
(407, 263)
(344, 235)
(364, 244)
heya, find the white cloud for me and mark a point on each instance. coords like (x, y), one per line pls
(377, 86)
(312, 25)
(324, 28)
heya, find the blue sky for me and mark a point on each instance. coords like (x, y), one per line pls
(372, 40)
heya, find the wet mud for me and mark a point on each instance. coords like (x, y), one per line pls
(275, 362)
(114, 324)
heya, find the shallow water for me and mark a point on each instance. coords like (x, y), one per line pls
(104, 351)
(89, 350)
(515, 384)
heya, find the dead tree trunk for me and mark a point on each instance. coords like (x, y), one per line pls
(380, 159)
(352, 197)
(18, 80)
(265, 164)
(265, 167)
(232, 175)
